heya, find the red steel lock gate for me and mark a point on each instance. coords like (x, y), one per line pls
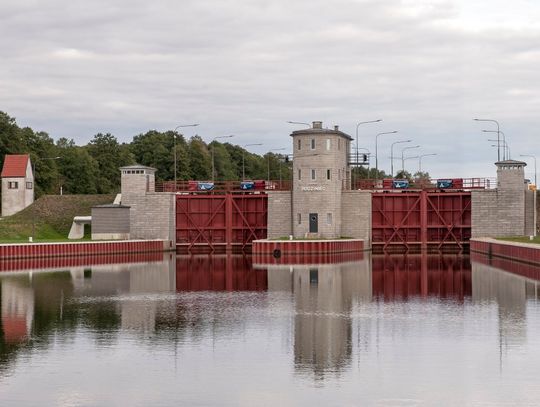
(421, 219)
(210, 222)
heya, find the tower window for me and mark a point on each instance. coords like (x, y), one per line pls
(328, 144)
(313, 144)
(329, 218)
(328, 174)
(299, 174)
(299, 144)
(313, 175)
(299, 218)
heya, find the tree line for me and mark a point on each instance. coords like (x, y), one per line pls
(93, 168)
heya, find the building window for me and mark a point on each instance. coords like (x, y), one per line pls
(299, 144)
(299, 174)
(29, 185)
(328, 144)
(328, 174)
(339, 174)
(329, 218)
(339, 144)
(313, 144)
(299, 218)
(13, 185)
(313, 174)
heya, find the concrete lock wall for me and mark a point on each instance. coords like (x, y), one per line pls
(506, 211)
(152, 215)
(279, 214)
(356, 215)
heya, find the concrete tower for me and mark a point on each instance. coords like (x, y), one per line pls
(320, 174)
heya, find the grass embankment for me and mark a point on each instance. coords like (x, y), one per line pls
(521, 239)
(53, 216)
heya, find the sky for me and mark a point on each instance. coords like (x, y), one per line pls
(426, 68)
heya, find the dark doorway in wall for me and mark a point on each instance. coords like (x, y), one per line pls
(313, 223)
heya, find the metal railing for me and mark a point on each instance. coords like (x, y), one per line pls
(223, 186)
(455, 183)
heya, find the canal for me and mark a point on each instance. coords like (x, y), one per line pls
(386, 330)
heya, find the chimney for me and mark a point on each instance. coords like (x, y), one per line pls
(317, 125)
(336, 128)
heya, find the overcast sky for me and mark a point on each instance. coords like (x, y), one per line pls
(75, 68)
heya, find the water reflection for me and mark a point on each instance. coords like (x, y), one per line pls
(343, 323)
(323, 299)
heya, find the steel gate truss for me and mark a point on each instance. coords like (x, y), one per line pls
(220, 221)
(421, 219)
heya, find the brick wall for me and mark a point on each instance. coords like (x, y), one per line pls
(529, 213)
(356, 215)
(279, 214)
(152, 215)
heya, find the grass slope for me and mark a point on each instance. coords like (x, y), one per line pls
(53, 217)
(521, 239)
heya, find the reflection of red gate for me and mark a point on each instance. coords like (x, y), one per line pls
(421, 219)
(220, 221)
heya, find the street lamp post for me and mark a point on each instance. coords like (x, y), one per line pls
(402, 159)
(506, 148)
(358, 125)
(174, 136)
(34, 187)
(243, 162)
(410, 158)
(392, 155)
(277, 149)
(420, 160)
(376, 154)
(498, 135)
(213, 164)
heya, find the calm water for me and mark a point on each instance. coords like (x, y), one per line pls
(203, 331)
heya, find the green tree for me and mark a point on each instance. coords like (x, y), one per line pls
(200, 161)
(110, 156)
(78, 170)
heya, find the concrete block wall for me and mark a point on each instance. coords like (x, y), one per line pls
(356, 215)
(279, 214)
(498, 213)
(152, 215)
(529, 213)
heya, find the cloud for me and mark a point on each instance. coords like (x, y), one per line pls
(75, 68)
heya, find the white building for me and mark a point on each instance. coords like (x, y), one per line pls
(17, 183)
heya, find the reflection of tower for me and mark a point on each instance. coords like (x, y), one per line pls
(17, 310)
(324, 296)
(510, 293)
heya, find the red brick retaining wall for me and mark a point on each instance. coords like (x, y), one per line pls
(525, 252)
(40, 250)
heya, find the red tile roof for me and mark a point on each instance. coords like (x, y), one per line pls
(15, 165)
